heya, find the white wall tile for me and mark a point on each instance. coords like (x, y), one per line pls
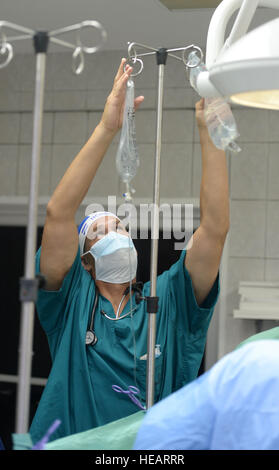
(177, 126)
(61, 75)
(105, 182)
(273, 174)
(150, 97)
(24, 170)
(178, 98)
(148, 78)
(146, 126)
(272, 239)
(247, 227)
(273, 121)
(9, 100)
(101, 69)
(144, 179)
(27, 101)
(176, 170)
(8, 173)
(62, 157)
(9, 128)
(28, 72)
(175, 74)
(243, 269)
(26, 128)
(272, 270)
(70, 128)
(96, 100)
(10, 76)
(249, 172)
(64, 100)
(252, 125)
(240, 269)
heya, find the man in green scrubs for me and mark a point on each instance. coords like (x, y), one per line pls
(79, 389)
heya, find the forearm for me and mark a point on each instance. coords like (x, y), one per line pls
(214, 191)
(75, 183)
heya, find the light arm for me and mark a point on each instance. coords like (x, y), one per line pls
(220, 19)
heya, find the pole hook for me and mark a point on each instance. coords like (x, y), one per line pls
(195, 48)
(133, 58)
(5, 48)
(78, 54)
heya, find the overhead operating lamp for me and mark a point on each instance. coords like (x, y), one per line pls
(245, 67)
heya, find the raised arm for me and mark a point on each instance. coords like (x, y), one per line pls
(204, 256)
(60, 237)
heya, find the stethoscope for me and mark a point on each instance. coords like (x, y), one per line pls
(91, 338)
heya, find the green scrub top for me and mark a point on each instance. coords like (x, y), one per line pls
(79, 388)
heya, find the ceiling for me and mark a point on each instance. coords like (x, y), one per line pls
(180, 4)
(144, 21)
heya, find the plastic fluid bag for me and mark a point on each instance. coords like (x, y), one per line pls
(221, 124)
(127, 159)
(119, 434)
(220, 121)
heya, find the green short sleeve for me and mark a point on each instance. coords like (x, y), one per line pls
(191, 317)
(52, 305)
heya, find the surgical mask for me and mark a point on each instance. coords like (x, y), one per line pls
(115, 258)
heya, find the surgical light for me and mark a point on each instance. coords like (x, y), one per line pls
(247, 70)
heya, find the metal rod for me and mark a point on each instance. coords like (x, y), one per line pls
(76, 27)
(16, 27)
(27, 312)
(18, 38)
(154, 245)
(154, 51)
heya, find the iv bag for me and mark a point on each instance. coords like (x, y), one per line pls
(127, 159)
(219, 118)
(221, 124)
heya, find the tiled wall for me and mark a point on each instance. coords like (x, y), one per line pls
(73, 106)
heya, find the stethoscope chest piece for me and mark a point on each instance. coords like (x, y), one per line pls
(90, 338)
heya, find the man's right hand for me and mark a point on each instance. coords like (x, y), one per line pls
(112, 117)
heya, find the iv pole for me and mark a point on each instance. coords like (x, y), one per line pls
(152, 301)
(29, 284)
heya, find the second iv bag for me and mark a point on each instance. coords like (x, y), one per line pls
(127, 159)
(219, 118)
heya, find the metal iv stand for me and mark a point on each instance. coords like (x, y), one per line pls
(29, 284)
(152, 301)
